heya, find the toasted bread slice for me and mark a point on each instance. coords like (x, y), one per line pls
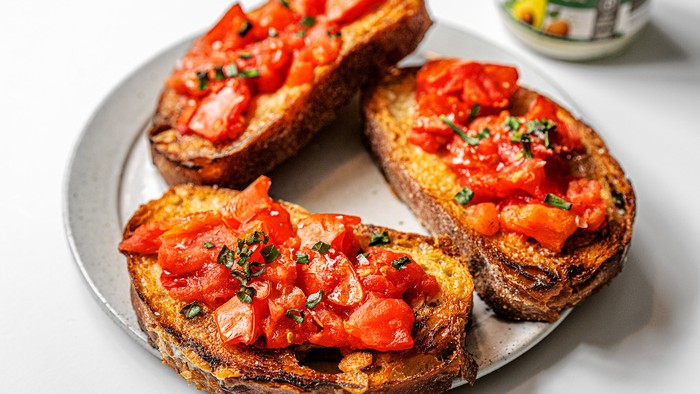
(194, 349)
(516, 277)
(286, 120)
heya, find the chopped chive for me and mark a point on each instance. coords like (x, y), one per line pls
(254, 269)
(464, 196)
(314, 299)
(240, 276)
(484, 133)
(526, 142)
(270, 253)
(245, 55)
(246, 294)
(191, 311)
(308, 21)
(400, 262)
(219, 73)
(208, 245)
(295, 314)
(379, 238)
(231, 70)
(512, 123)
(469, 140)
(557, 202)
(333, 35)
(473, 112)
(226, 257)
(302, 258)
(249, 73)
(203, 78)
(285, 3)
(321, 247)
(247, 26)
(516, 137)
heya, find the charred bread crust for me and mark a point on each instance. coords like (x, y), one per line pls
(193, 347)
(285, 121)
(516, 277)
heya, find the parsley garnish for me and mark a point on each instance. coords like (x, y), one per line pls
(557, 202)
(464, 196)
(191, 311)
(379, 238)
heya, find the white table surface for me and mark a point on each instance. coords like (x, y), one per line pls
(61, 59)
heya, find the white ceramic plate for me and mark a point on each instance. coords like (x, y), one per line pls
(110, 175)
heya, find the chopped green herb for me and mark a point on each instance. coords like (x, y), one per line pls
(526, 142)
(473, 112)
(253, 269)
(219, 73)
(285, 3)
(516, 137)
(469, 140)
(464, 196)
(249, 73)
(191, 311)
(257, 237)
(400, 262)
(231, 70)
(379, 238)
(245, 55)
(203, 77)
(333, 35)
(301, 33)
(241, 276)
(557, 202)
(484, 133)
(208, 245)
(226, 257)
(270, 253)
(247, 26)
(314, 299)
(246, 294)
(308, 21)
(321, 247)
(512, 123)
(295, 314)
(302, 258)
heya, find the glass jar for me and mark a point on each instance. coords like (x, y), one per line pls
(575, 29)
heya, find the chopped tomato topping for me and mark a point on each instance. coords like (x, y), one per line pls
(245, 55)
(548, 225)
(268, 283)
(463, 114)
(383, 324)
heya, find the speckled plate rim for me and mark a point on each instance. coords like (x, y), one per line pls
(110, 157)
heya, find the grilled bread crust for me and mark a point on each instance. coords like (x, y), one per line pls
(194, 349)
(516, 277)
(286, 120)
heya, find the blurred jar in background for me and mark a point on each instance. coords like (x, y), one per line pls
(575, 29)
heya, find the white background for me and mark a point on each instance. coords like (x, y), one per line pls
(59, 60)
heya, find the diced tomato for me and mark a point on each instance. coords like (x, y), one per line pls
(280, 330)
(185, 252)
(319, 274)
(145, 239)
(332, 333)
(225, 33)
(336, 230)
(249, 202)
(483, 218)
(282, 272)
(381, 324)
(308, 7)
(563, 136)
(301, 72)
(272, 15)
(220, 115)
(211, 284)
(239, 322)
(348, 10)
(550, 226)
(323, 42)
(584, 195)
(378, 275)
(348, 292)
(271, 57)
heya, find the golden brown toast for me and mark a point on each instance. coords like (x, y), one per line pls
(515, 276)
(194, 349)
(286, 120)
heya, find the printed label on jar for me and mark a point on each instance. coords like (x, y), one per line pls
(580, 20)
